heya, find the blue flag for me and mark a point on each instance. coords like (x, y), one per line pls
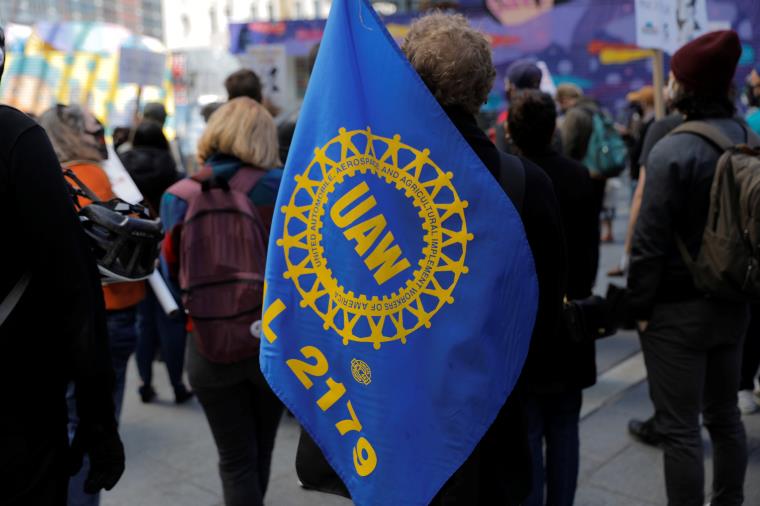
(400, 288)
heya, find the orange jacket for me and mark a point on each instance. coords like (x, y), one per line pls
(117, 295)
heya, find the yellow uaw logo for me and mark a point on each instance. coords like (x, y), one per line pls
(412, 297)
(361, 371)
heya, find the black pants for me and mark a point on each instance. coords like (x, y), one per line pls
(243, 414)
(693, 353)
(751, 354)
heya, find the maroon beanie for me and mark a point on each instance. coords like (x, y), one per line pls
(707, 63)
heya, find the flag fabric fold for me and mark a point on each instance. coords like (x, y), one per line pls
(400, 288)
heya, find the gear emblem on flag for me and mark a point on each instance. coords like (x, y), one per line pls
(410, 296)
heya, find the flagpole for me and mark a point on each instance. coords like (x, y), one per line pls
(658, 81)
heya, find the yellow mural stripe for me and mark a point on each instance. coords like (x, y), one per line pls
(615, 56)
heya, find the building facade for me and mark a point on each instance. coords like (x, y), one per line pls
(143, 17)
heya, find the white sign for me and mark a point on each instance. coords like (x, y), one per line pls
(121, 182)
(139, 66)
(547, 81)
(269, 63)
(669, 24)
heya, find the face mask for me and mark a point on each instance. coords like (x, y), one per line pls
(670, 90)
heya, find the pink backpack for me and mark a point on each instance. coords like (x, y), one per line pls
(222, 255)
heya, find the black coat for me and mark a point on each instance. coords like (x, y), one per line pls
(499, 469)
(676, 199)
(153, 171)
(576, 367)
(57, 331)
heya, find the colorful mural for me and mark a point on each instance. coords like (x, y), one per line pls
(587, 42)
(75, 63)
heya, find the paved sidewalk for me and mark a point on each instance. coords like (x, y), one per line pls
(171, 458)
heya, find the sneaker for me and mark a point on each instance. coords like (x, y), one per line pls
(147, 394)
(644, 432)
(747, 403)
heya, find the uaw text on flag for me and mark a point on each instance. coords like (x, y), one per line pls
(400, 288)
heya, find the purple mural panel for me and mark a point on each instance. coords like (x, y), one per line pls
(571, 36)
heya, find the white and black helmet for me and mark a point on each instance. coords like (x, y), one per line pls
(123, 237)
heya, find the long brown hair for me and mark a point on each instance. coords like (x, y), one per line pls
(65, 126)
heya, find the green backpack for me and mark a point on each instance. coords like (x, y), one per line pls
(606, 154)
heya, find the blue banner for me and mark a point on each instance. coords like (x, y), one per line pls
(401, 291)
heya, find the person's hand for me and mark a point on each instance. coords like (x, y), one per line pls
(642, 325)
(106, 453)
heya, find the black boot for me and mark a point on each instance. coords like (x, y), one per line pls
(182, 395)
(645, 432)
(147, 394)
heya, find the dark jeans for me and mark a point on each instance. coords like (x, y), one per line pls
(751, 353)
(122, 339)
(553, 421)
(692, 352)
(243, 414)
(155, 329)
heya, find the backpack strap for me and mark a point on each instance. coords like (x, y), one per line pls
(707, 131)
(718, 139)
(186, 188)
(246, 178)
(512, 179)
(10, 300)
(753, 140)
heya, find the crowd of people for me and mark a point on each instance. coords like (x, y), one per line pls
(68, 332)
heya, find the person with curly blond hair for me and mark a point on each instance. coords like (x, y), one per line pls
(454, 61)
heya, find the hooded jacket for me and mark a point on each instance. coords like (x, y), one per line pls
(153, 170)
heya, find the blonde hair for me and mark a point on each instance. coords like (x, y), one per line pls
(569, 91)
(452, 58)
(244, 129)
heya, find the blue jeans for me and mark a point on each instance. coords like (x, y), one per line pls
(122, 339)
(156, 329)
(553, 419)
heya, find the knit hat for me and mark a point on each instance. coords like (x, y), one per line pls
(524, 74)
(707, 63)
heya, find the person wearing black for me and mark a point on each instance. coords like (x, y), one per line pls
(150, 163)
(691, 343)
(152, 168)
(556, 374)
(499, 469)
(52, 331)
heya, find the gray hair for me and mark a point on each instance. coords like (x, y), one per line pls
(65, 126)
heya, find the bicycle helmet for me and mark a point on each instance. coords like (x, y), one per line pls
(124, 240)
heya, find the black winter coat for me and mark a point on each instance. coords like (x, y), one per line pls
(676, 198)
(498, 470)
(57, 332)
(576, 367)
(153, 171)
